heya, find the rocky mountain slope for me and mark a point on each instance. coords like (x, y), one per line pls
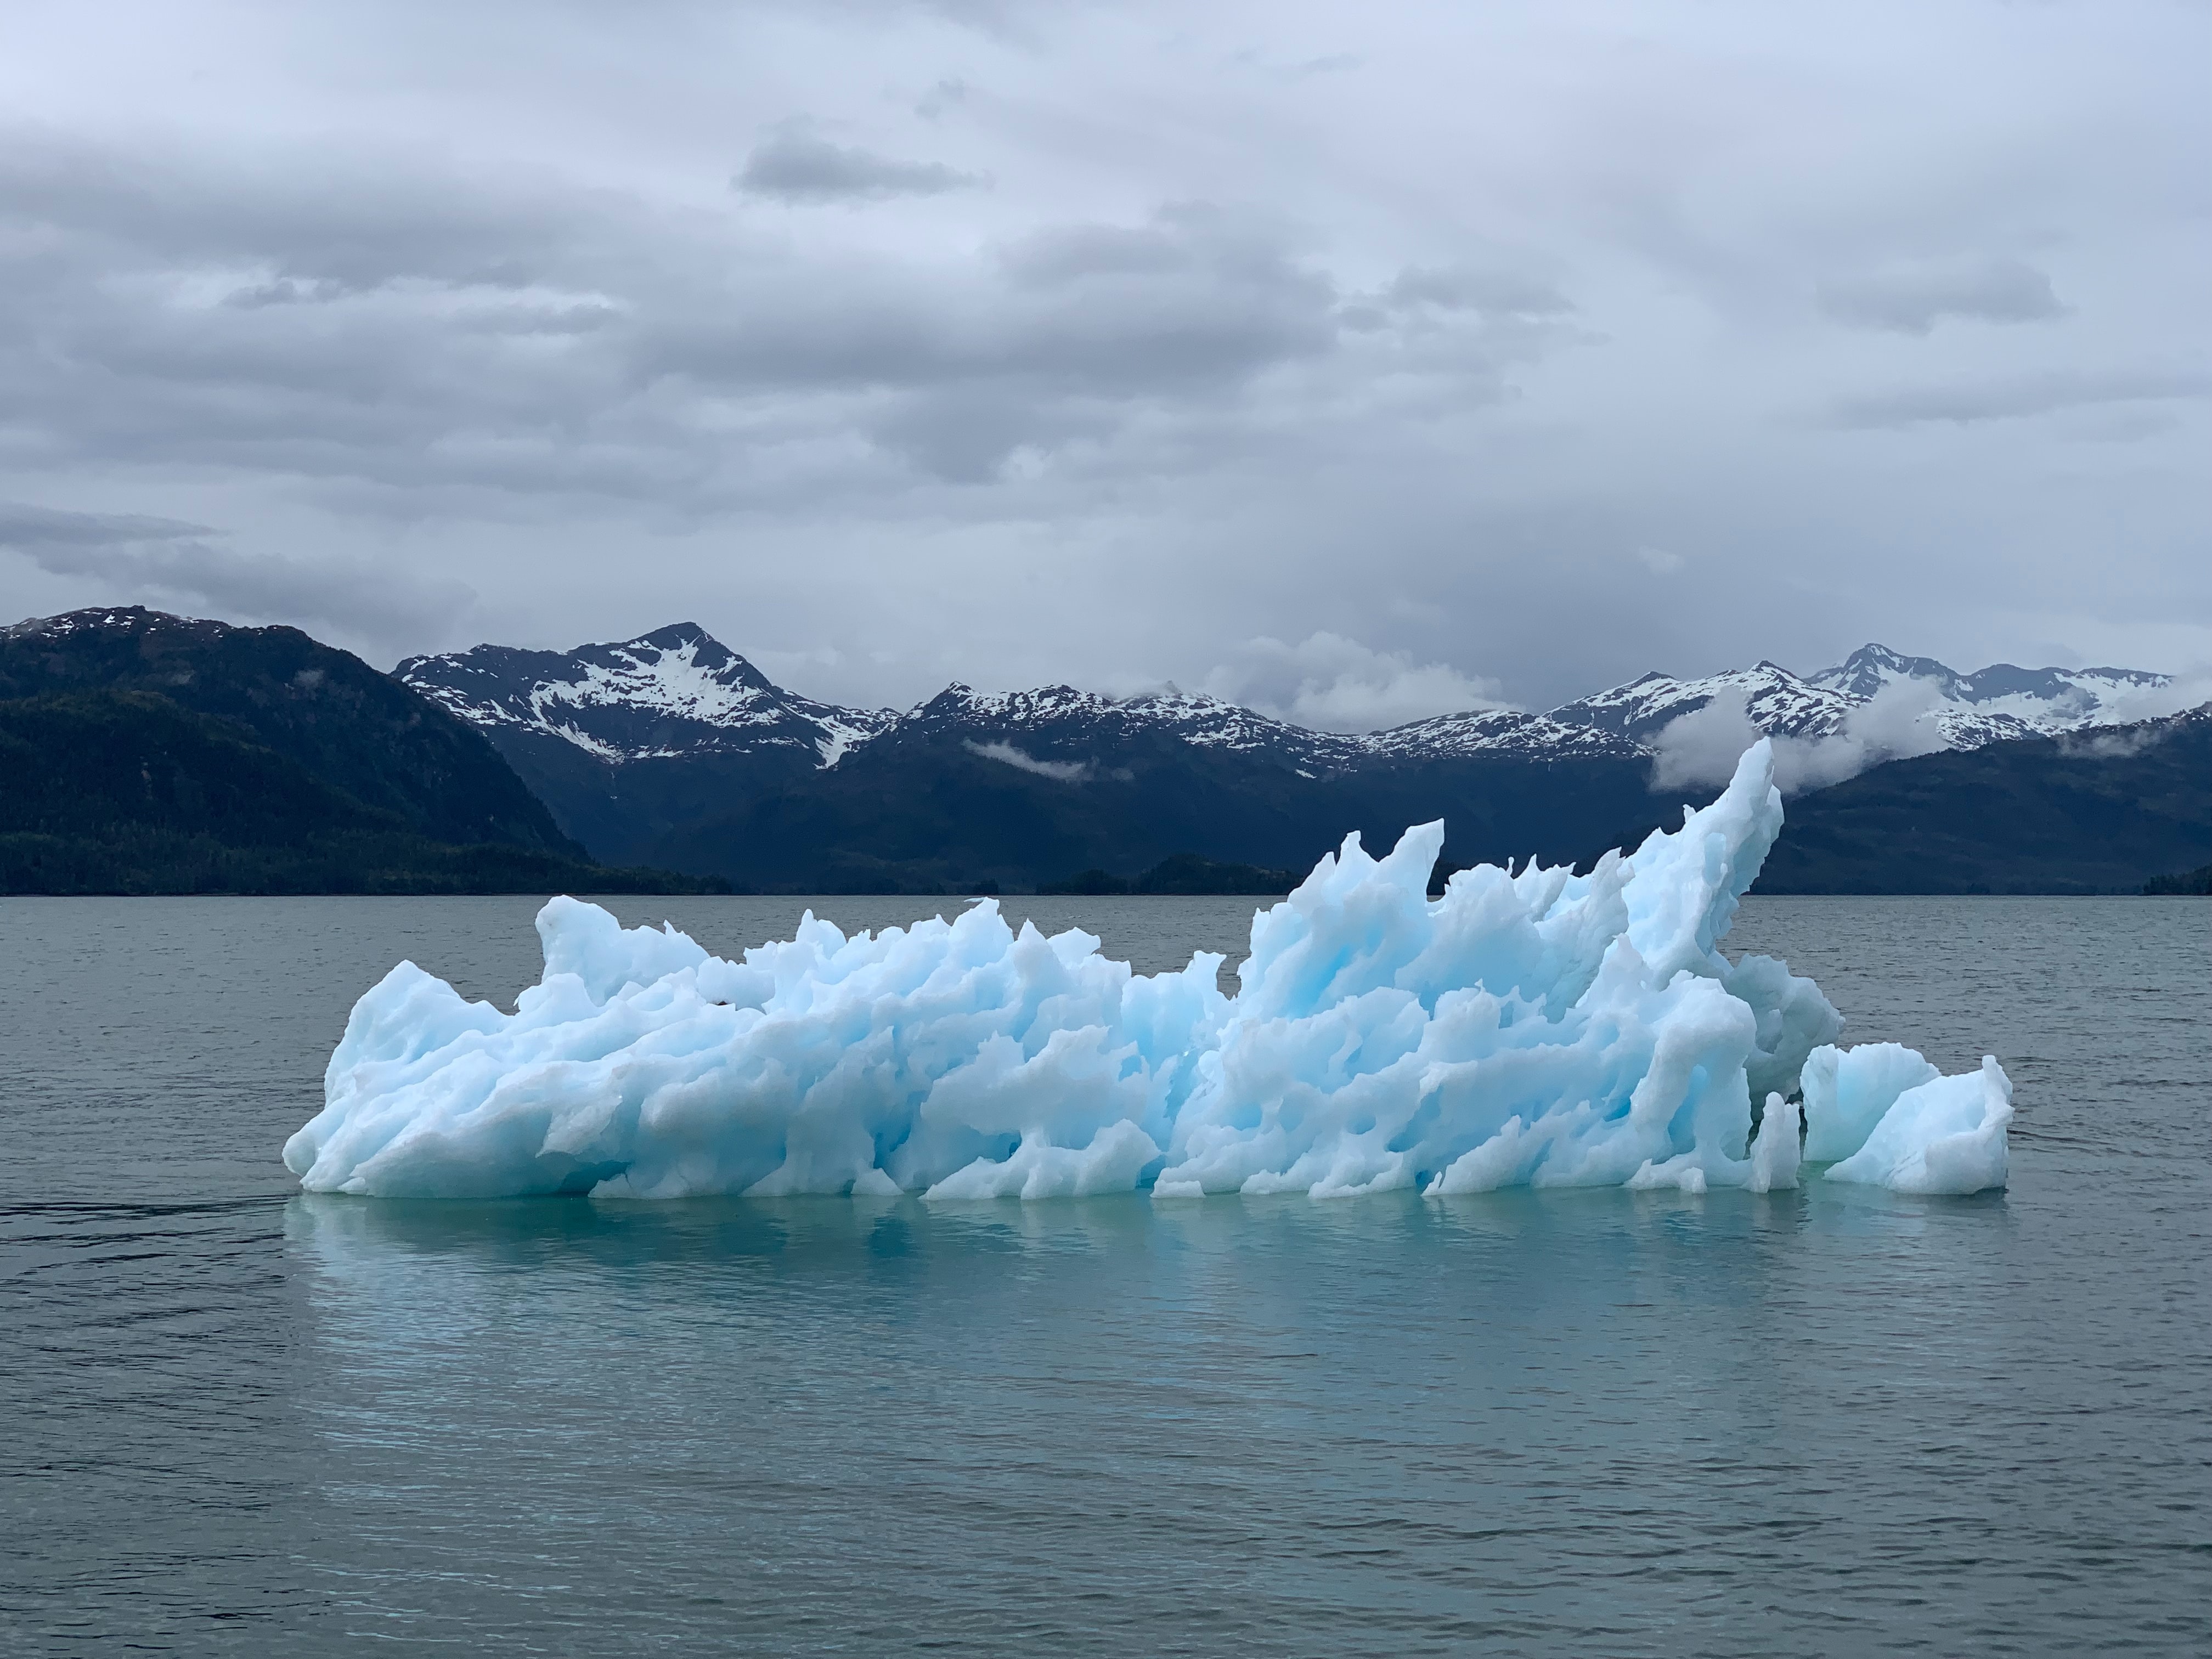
(141, 752)
(324, 709)
(2103, 810)
(676, 691)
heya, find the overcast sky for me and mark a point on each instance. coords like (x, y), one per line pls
(1358, 360)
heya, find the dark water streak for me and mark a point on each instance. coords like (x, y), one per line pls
(237, 1419)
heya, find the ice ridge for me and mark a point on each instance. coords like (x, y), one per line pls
(1534, 1028)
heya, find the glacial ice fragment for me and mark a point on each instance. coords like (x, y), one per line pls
(1946, 1135)
(1532, 1028)
(1847, 1091)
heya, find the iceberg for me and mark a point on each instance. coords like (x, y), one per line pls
(1527, 1028)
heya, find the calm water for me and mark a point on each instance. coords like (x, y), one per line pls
(233, 1418)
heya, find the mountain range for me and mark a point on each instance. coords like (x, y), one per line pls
(679, 692)
(2110, 809)
(142, 752)
(671, 748)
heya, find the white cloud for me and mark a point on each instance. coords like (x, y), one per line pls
(1702, 746)
(1059, 771)
(2190, 688)
(2101, 744)
(1333, 684)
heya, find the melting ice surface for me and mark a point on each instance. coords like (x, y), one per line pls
(1538, 1028)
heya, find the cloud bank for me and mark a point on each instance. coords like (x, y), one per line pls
(1332, 684)
(1020, 344)
(1914, 300)
(186, 567)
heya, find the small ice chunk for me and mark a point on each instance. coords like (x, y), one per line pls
(1774, 1154)
(1947, 1135)
(1848, 1089)
(1683, 1172)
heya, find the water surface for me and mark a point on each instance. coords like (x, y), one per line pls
(236, 1419)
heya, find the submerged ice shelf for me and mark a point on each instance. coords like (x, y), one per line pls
(1538, 1028)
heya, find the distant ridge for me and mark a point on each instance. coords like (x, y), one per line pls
(2102, 812)
(679, 691)
(671, 749)
(676, 691)
(146, 753)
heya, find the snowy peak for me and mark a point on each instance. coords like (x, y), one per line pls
(1871, 668)
(677, 666)
(960, 704)
(107, 617)
(1992, 703)
(676, 691)
(1062, 721)
(1499, 731)
(1778, 702)
(1959, 711)
(2075, 691)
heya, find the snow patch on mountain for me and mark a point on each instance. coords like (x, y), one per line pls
(679, 692)
(1999, 702)
(1052, 719)
(1701, 746)
(1878, 705)
(1498, 731)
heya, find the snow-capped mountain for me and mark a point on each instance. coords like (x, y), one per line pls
(679, 692)
(676, 691)
(1776, 701)
(1995, 702)
(1058, 719)
(1498, 731)
(672, 750)
(1964, 710)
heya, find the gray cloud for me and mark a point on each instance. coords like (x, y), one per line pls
(1913, 299)
(2017, 399)
(24, 527)
(564, 369)
(571, 374)
(1473, 288)
(135, 558)
(1418, 357)
(795, 165)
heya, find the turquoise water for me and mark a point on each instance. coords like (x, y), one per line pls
(1831, 1421)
